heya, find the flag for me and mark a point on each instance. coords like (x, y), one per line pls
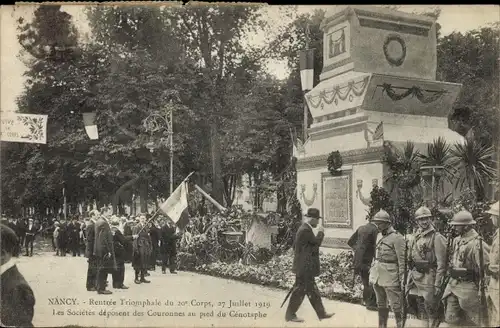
(90, 126)
(176, 204)
(307, 69)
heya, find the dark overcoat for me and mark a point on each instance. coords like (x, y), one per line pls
(142, 248)
(120, 243)
(18, 300)
(103, 244)
(306, 247)
(363, 243)
(90, 236)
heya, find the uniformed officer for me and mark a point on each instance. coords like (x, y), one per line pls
(387, 271)
(461, 295)
(427, 261)
(493, 270)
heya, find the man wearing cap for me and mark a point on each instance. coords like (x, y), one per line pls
(74, 237)
(142, 250)
(463, 303)
(388, 269)
(493, 271)
(168, 239)
(427, 261)
(306, 266)
(119, 242)
(17, 298)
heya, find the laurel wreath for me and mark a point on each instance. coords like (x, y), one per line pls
(334, 163)
(395, 61)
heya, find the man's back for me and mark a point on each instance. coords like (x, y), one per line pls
(18, 300)
(363, 242)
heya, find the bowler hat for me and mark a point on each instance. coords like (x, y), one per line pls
(313, 213)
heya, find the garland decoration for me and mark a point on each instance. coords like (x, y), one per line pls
(349, 91)
(335, 162)
(414, 92)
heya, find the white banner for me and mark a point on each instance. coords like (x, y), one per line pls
(27, 128)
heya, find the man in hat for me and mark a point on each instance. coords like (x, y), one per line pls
(127, 231)
(154, 234)
(17, 298)
(427, 261)
(463, 302)
(388, 269)
(363, 243)
(493, 270)
(141, 250)
(119, 243)
(30, 236)
(306, 267)
(104, 253)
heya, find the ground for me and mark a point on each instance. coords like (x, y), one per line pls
(54, 279)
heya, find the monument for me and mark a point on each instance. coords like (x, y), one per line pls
(377, 87)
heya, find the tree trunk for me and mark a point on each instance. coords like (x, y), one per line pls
(217, 184)
(143, 194)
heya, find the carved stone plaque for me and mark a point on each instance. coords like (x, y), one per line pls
(337, 200)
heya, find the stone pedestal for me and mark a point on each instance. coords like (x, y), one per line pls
(377, 88)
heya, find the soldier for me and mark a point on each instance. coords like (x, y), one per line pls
(387, 271)
(463, 303)
(142, 250)
(427, 261)
(492, 271)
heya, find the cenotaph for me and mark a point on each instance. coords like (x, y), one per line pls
(377, 86)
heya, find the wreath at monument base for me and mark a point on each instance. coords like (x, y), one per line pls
(334, 163)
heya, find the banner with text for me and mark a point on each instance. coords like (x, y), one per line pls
(27, 128)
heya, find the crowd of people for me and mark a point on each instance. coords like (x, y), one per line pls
(455, 276)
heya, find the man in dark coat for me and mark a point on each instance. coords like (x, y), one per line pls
(168, 246)
(31, 233)
(363, 243)
(119, 245)
(74, 237)
(127, 231)
(89, 253)
(306, 266)
(17, 298)
(141, 251)
(21, 227)
(104, 253)
(63, 238)
(154, 233)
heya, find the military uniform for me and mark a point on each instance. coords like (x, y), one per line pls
(387, 271)
(427, 263)
(493, 273)
(462, 298)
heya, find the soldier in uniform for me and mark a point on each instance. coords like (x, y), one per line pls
(493, 272)
(461, 295)
(427, 261)
(387, 271)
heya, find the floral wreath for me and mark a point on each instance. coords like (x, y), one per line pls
(334, 162)
(395, 61)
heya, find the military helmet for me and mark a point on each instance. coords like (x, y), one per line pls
(422, 213)
(382, 216)
(462, 218)
(493, 209)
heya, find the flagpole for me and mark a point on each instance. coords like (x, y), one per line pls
(171, 133)
(306, 110)
(159, 208)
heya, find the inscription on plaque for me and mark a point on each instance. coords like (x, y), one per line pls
(337, 199)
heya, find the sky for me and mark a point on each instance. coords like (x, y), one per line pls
(459, 18)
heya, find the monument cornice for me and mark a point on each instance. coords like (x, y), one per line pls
(348, 157)
(377, 14)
